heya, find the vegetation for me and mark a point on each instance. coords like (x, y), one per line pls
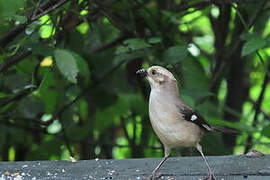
(68, 84)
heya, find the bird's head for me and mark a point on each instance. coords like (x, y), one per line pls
(158, 76)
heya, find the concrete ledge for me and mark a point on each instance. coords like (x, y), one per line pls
(187, 168)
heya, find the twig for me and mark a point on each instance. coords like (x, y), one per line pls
(11, 116)
(247, 26)
(19, 96)
(14, 60)
(18, 58)
(134, 129)
(65, 138)
(111, 43)
(96, 83)
(257, 107)
(4, 40)
(91, 143)
(12, 34)
(193, 5)
(25, 127)
(52, 8)
(123, 126)
(205, 3)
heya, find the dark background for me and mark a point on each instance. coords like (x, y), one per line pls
(68, 84)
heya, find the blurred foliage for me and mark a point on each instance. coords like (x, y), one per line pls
(68, 84)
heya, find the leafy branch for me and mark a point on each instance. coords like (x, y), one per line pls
(252, 21)
(84, 91)
(205, 3)
(257, 107)
(44, 9)
(14, 60)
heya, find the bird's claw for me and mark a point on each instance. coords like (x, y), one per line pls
(154, 176)
(150, 177)
(210, 177)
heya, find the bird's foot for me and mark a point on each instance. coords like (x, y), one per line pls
(154, 176)
(211, 177)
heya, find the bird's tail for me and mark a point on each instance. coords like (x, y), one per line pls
(226, 130)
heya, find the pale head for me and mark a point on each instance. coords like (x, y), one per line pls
(158, 77)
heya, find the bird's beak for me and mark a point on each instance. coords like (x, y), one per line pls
(142, 72)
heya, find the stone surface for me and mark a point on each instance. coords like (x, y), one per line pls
(187, 168)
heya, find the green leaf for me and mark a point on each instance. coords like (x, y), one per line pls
(171, 16)
(32, 27)
(19, 19)
(253, 44)
(40, 49)
(197, 93)
(83, 109)
(121, 49)
(7, 107)
(242, 127)
(175, 54)
(9, 8)
(266, 131)
(47, 91)
(246, 36)
(194, 76)
(30, 107)
(3, 95)
(260, 24)
(136, 44)
(134, 102)
(130, 56)
(67, 64)
(105, 117)
(154, 40)
(48, 149)
(131, 45)
(55, 127)
(82, 65)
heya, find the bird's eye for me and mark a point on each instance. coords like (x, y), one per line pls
(154, 72)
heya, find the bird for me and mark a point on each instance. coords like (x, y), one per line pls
(175, 123)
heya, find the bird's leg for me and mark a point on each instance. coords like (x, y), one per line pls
(211, 173)
(153, 176)
(166, 155)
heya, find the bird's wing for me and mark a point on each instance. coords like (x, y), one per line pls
(192, 116)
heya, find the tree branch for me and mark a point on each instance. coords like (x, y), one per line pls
(94, 84)
(19, 95)
(65, 138)
(120, 38)
(248, 25)
(257, 107)
(205, 3)
(14, 60)
(50, 9)
(123, 127)
(266, 116)
(45, 9)
(25, 127)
